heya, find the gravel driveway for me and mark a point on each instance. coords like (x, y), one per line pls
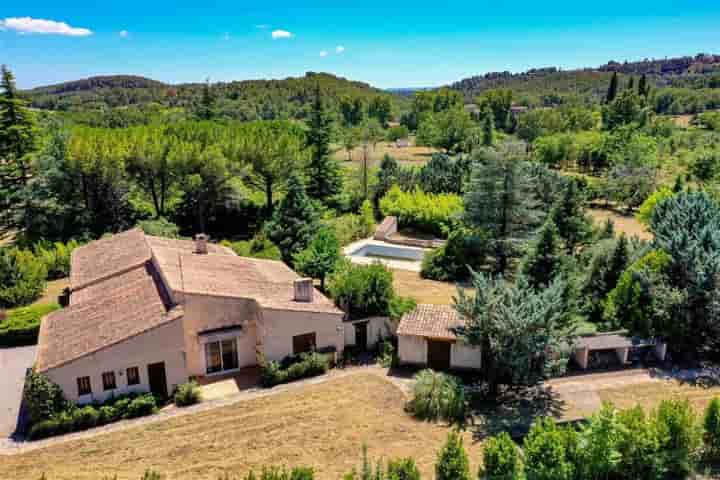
(13, 364)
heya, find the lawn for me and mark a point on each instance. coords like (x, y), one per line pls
(323, 426)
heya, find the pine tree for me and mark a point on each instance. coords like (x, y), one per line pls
(631, 83)
(488, 128)
(501, 202)
(573, 225)
(452, 463)
(618, 263)
(544, 261)
(294, 222)
(18, 140)
(643, 86)
(324, 175)
(612, 89)
(205, 108)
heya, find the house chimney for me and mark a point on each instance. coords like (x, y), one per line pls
(201, 241)
(304, 290)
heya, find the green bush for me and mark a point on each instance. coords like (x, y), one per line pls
(258, 247)
(141, 406)
(639, 445)
(711, 422)
(85, 417)
(108, 414)
(44, 429)
(21, 325)
(362, 290)
(680, 432)
(546, 455)
(463, 250)
(452, 463)
(43, 399)
(502, 459)
(348, 228)
(425, 212)
(305, 365)
(277, 473)
(23, 277)
(402, 469)
(187, 394)
(438, 396)
(645, 211)
(160, 227)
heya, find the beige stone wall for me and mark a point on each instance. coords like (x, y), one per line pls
(378, 327)
(163, 344)
(464, 356)
(204, 313)
(412, 350)
(276, 329)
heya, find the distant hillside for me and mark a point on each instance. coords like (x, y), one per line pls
(244, 100)
(545, 85)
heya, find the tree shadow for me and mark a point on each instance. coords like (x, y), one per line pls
(514, 411)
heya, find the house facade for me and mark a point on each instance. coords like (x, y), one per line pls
(148, 313)
(427, 336)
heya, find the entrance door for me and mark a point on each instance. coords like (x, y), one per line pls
(158, 380)
(361, 335)
(438, 354)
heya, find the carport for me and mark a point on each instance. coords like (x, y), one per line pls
(621, 344)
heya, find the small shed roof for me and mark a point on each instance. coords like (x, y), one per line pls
(431, 321)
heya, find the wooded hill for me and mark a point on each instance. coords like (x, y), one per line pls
(548, 85)
(242, 100)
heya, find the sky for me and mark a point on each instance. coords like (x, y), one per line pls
(389, 44)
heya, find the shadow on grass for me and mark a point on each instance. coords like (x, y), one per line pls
(514, 411)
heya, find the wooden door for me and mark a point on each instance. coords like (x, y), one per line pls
(158, 379)
(361, 335)
(438, 355)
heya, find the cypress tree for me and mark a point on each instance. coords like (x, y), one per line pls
(612, 89)
(545, 259)
(618, 263)
(642, 86)
(631, 83)
(488, 128)
(452, 463)
(294, 222)
(324, 176)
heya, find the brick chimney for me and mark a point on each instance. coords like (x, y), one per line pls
(201, 243)
(304, 290)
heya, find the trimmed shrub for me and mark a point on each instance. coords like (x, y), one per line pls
(305, 365)
(108, 414)
(438, 396)
(187, 394)
(711, 423)
(502, 459)
(546, 457)
(452, 463)
(22, 277)
(425, 212)
(21, 325)
(141, 406)
(45, 429)
(43, 399)
(85, 417)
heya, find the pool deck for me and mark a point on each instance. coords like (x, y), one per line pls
(410, 265)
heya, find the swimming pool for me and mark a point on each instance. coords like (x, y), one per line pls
(395, 256)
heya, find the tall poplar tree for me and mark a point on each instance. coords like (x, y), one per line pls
(612, 89)
(323, 173)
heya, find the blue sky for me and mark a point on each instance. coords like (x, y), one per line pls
(386, 43)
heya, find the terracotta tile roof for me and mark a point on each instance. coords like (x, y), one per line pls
(107, 257)
(133, 304)
(268, 282)
(432, 321)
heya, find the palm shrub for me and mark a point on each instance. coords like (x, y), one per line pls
(502, 459)
(187, 394)
(711, 422)
(438, 396)
(452, 462)
(546, 455)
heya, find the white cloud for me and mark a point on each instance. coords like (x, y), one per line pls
(276, 34)
(323, 53)
(24, 25)
(339, 49)
(124, 34)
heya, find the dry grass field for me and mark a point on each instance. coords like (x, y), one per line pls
(410, 284)
(409, 155)
(623, 223)
(650, 394)
(323, 426)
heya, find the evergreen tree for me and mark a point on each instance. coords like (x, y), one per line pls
(205, 107)
(501, 201)
(612, 89)
(568, 215)
(323, 173)
(679, 184)
(488, 128)
(643, 89)
(608, 230)
(387, 176)
(618, 263)
(294, 222)
(545, 259)
(631, 83)
(18, 140)
(452, 463)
